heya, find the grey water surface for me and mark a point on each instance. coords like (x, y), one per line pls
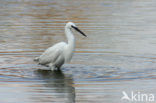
(118, 55)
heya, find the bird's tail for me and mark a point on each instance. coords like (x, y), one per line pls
(36, 59)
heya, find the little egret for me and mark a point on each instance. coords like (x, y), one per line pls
(55, 56)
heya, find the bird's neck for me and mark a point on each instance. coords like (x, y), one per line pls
(70, 37)
(71, 44)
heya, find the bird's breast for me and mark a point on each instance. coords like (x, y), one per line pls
(68, 53)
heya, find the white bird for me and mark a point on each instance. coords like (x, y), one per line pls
(55, 56)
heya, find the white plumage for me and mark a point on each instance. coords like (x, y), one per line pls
(60, 53)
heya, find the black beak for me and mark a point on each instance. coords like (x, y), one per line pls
(77, 29)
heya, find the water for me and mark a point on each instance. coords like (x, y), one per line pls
(118, 55)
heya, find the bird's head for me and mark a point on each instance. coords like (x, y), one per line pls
(71, 25)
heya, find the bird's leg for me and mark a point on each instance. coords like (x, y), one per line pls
(52, 67)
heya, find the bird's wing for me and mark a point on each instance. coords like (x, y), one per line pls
(52, 53)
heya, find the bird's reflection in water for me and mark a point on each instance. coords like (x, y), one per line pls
(59, 84)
